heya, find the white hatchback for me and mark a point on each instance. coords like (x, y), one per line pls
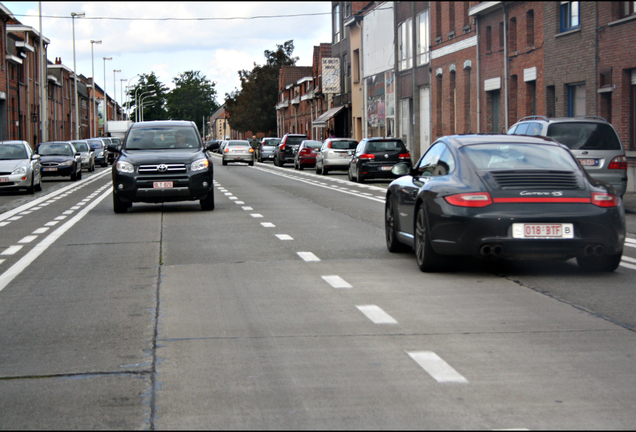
(335, 154)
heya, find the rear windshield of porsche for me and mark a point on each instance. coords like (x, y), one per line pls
(519, 157)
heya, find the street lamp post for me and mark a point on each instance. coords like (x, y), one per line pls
(94, 122)
(141, 101)
(115, 93)
(136, 101)
(121, 90)
(73, 15)
(105, 95)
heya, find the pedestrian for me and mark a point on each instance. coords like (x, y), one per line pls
(256, 145)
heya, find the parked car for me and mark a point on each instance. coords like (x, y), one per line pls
(100, 151)
(502, 196)
(306, 154)
(110, 157)
(286, 149)
(238, 151)
(592, 140)
(60, 158)
(268, 147)
(87, 155)
(374, 158)
(335, 154)
(19, 167)
(149, 168)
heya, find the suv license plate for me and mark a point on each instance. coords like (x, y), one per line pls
(589, 162)
(162, 185)
(556, 230)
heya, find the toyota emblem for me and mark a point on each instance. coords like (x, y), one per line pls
(162, 168)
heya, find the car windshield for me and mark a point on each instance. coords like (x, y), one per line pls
(55, 150)
(271, 142)
(295, 140)
(161, 138)
(382, 146)
(585, 136)
(344, 145)
(12, 151)
(95, 144)
(313, 144)
(80, 146)
(238, 143)
(519, 156)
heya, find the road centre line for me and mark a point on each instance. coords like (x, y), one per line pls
(52, 195)
(336, 281)
(40, 248)
(437, 368)
(284, 237)
(376, 314)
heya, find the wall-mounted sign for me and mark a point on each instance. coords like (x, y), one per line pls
(331, 75)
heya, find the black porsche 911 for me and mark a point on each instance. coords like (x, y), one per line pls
(503, 196)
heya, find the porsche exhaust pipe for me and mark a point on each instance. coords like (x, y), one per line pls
(597, 250)
(493, 250)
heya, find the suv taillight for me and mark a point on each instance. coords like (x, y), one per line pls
(619, 162)
(282, 146)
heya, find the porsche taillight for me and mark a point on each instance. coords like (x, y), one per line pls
(604, 199)
(473, 199)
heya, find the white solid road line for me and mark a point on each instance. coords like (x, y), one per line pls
(376, 314)
(436, 367)
(41, 247)
(336, 281)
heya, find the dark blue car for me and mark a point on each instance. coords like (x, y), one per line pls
(60, 158)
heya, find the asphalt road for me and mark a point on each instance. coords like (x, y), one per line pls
(282, 309)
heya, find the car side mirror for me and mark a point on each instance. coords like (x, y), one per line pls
(35, 156)
(112, 148)
(401, 169)
(213, 146)
(78, 154)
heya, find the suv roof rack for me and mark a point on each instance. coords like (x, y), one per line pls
(534, 117)
(595, 118)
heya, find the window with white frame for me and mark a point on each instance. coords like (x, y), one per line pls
(423, 38)
(405, 36)
(627, 8)
(570, 15)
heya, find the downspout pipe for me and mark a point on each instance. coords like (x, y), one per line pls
(505, 32)
(478, 77)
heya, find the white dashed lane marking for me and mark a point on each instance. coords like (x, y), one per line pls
(336, 281)
(308, 256)
(376, 314)
(436, 367)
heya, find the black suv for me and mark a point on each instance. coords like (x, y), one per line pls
(286, 150)
(162, 161)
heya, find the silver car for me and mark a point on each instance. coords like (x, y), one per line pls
(268, 146)
(592, 140)
(335, 154)
(87, 154)
(19, 167)
(238, 151)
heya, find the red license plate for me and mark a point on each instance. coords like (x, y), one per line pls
(162, 185)
(557, 230)
(4, 179)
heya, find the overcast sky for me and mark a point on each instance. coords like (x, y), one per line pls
(216, 38)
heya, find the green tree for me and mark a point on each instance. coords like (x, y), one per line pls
(154, 105)
(193, 98)
(253, 107)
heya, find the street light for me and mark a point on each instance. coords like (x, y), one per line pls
(105, 96)
(115, 92)
(129, 87)
(136, 102)
(73, 15)
(94, 122)
(141, 101)
(121, 89)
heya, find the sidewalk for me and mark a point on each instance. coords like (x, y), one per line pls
(629, 201)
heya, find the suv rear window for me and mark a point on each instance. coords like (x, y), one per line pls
(585, 136)
(344, 145)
